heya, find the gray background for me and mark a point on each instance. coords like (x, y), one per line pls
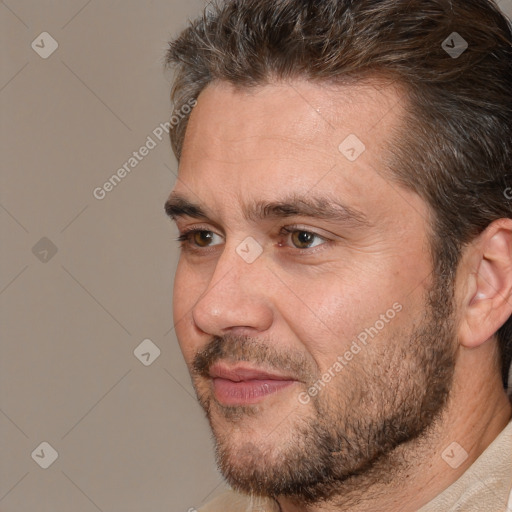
(129, 437)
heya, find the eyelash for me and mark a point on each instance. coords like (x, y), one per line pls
(185, 239)
(186, 236)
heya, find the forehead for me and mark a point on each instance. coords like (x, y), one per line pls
(296, 115)
(294, 137)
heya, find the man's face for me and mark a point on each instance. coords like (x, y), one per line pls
(304, 302)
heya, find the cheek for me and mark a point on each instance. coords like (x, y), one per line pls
(185, 295)
(329, 320)
(181, 295)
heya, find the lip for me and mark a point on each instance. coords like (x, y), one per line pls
(245, 385)
(241, 373)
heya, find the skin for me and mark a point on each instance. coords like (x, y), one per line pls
(264, 144)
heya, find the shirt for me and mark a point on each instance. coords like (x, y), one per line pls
(486, 486)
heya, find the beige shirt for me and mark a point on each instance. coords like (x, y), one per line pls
(486, 486)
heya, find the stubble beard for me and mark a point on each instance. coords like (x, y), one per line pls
(391, 393)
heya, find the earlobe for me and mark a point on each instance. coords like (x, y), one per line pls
(488, 301)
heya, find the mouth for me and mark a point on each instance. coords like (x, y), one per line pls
(245, 385)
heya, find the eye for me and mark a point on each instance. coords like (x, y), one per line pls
(199, 238)
(303, 239)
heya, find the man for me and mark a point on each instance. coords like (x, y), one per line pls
(343, 297)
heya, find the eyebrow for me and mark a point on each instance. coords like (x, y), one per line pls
(178, 206)
(326, 208)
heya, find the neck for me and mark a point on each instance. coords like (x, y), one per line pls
(415, 472)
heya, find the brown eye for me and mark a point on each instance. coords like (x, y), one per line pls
(202, 238)
(303, 239)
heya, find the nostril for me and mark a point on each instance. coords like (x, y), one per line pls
(222, 311)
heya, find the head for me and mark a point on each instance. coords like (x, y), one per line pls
(341, 173)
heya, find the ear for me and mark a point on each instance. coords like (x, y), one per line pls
(487, 303)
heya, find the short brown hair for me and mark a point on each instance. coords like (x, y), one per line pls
(455, 148)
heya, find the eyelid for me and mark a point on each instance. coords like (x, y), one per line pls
(191, 229)
(308, 251)
(297, 227)
(185, 238)
(185, 234)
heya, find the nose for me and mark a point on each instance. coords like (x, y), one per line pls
(236, 298)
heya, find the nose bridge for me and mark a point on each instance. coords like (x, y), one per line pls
(235, 296)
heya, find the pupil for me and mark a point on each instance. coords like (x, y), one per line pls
(304, 238)
(203, 237)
